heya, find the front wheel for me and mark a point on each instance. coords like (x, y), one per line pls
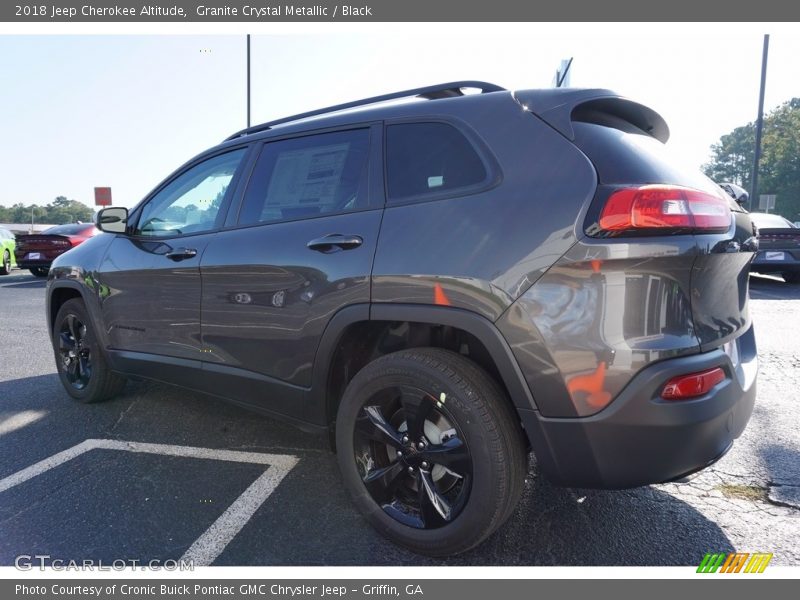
(5, 266)
(81, 364)
(430, 450)
(39, 271)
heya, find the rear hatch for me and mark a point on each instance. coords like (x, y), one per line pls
(626, 143)
(625, 155)
(779, 239)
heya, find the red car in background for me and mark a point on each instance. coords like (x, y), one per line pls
(37, 251)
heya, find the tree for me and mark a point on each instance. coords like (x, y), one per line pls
(59, 211)
(779, 169)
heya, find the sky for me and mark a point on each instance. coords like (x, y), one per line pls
(79, 111)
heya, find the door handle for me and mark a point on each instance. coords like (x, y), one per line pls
(335, 242)
(181, 254)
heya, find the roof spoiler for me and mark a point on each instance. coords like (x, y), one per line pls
(561, 106)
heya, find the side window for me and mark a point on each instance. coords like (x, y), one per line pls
(190, 203)
(308, 176)
(428, 158)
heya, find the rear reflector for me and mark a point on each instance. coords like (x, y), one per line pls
(660, 207)
(692, 385)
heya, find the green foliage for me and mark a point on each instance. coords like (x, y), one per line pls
(58, 212)
(779, 170)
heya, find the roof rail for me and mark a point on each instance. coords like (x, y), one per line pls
(432, 92)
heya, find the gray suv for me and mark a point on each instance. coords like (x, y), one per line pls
(443, 286)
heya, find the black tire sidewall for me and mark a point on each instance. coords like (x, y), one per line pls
(89, 393)
(478, 515)
(5, 268)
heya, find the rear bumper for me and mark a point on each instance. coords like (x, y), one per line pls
(28, 264)
(641, 439)
(789, 261)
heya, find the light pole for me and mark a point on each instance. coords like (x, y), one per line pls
(32, 207)
(759, 121)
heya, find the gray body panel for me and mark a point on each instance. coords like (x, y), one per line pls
(486, 249)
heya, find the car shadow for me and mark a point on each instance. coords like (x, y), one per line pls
(38, 283)
(551, 526)
(765, 287)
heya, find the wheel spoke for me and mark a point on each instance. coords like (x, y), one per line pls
(417, 407)
(84, 368)
(451, 454)
(435, 510)
(71, 327)
(65, 341)
(374, 426)
(72, 370)
(382, 482)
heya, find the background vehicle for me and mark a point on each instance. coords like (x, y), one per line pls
(7, 258)
(37, 251)
(779, 247)
(441, 286)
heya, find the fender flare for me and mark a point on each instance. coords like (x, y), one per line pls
(474, 324)
(92, 306)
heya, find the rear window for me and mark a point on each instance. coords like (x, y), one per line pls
(765, 221)
(624, 154)
(71, 229)
(307, 177)
(426, 159)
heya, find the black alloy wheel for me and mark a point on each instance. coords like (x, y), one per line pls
(413, 461)
(81, 362)
(75, 351)
(430, 450)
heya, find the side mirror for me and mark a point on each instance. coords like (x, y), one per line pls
(736, 192)
(113, 219)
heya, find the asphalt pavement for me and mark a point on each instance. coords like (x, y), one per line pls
(168, 474)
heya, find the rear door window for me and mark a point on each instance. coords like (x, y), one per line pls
(428, 159)
(307, 177)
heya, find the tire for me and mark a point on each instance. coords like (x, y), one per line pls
(39, 271)
(397, 487)
(791, 276)
(81, 363)
(5, 266)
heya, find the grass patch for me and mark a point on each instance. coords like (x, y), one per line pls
(744, 492)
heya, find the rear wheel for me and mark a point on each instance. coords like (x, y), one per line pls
(791, 276)
(5, 266)
(39, 271)
(430, 450)
(81, 363)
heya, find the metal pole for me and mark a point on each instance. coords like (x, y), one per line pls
(248, 80)
(563, 76)
(759, 121)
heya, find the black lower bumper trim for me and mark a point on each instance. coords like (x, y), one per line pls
(640, 439)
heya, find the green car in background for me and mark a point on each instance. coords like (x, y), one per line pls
(7, 243)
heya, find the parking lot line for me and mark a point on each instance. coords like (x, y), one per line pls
(205, 549)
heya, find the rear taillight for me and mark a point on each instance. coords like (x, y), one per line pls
(692, 385)
(660, 208)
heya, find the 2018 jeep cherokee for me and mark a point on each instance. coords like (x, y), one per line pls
(443, 286)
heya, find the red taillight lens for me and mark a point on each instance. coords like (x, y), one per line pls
(659, 207)
(692, 385)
